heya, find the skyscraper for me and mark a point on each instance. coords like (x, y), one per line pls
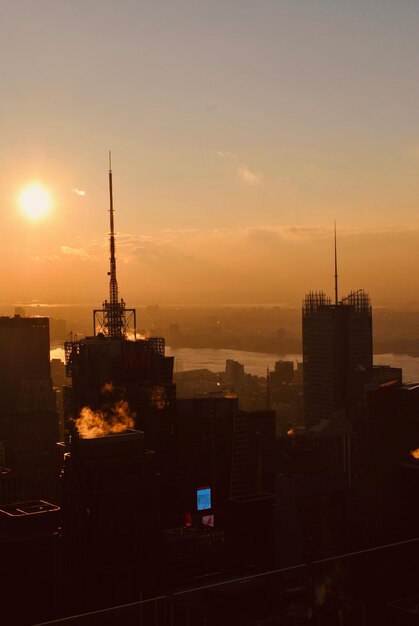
(28, 416)
(337, 353)
(113, 365)
(110, 519)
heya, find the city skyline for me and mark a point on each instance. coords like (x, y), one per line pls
(238, 136)
(241, 454)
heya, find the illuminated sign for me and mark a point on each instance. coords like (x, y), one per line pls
(203, 498)
(208, 520)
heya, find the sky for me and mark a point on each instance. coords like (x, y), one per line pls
(240, 130)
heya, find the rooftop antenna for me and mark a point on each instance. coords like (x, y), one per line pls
(113, 283)
(336, 270)
(112, 320)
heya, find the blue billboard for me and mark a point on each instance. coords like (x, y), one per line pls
(203, 498)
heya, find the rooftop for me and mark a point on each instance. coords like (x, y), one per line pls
(31, 507)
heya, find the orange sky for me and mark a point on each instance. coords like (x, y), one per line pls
(239, 133)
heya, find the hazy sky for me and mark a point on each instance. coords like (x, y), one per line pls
(239, 131)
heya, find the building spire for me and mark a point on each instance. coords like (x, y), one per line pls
(112, 320)
(336, 270)
(113, 283)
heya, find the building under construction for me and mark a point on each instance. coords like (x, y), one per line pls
(337, 353)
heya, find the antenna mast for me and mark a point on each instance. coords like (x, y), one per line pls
(336, 270)
(112, 320)
(113, 283)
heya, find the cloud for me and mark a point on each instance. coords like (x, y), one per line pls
(249, 177)
(245, 174)
(78, 192)
(227, 155)
(81, 253)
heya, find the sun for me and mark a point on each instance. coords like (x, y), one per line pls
(35, 202)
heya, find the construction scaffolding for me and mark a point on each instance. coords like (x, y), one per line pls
(359, 300)
(314, 301)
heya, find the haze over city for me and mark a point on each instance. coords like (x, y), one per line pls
(209, 320)
(239, 133)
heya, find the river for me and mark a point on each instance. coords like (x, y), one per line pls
(257, 362)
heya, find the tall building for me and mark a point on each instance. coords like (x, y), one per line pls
(120, 384)
(110, 520)
(234, 372)
(223, 447)
(337, 353)
(113, 365)
(28, 416)
(30, 561)
(106, 370)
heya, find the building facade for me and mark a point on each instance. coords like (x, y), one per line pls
(337, 353)
(28, 416)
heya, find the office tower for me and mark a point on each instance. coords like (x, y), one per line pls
(337, 354)
(29, 561)
(234, 372)
(28, 417)
(191, 552)
(10, 486)
(393, 434)
(105, 370)
(283, 374)
(113, 365)
(110, 520)
(311, 515)
(250, 531)
(223, 447)
(58, 331)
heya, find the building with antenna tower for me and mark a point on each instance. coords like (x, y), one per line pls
(337, 352)
(113, 358)
(113, 320)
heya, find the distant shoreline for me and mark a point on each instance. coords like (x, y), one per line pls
(213, 359)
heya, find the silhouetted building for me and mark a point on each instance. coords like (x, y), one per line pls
(110, 520)
(254, 601)
(191, 552)
(310, 516)
(218, 445)
(30, 561)
(250, 532)
(408, 504)
(135, 371)
(58, 330)
(324, 448)
(113, 365)
(392, 434)
(283, 373)
(234, 372)
(28, 417)
(337, 353)
(10, 486)
(404, 612)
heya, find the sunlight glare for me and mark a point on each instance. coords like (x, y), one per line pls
(35, 202)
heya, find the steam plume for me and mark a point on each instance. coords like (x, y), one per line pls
(115, 419)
